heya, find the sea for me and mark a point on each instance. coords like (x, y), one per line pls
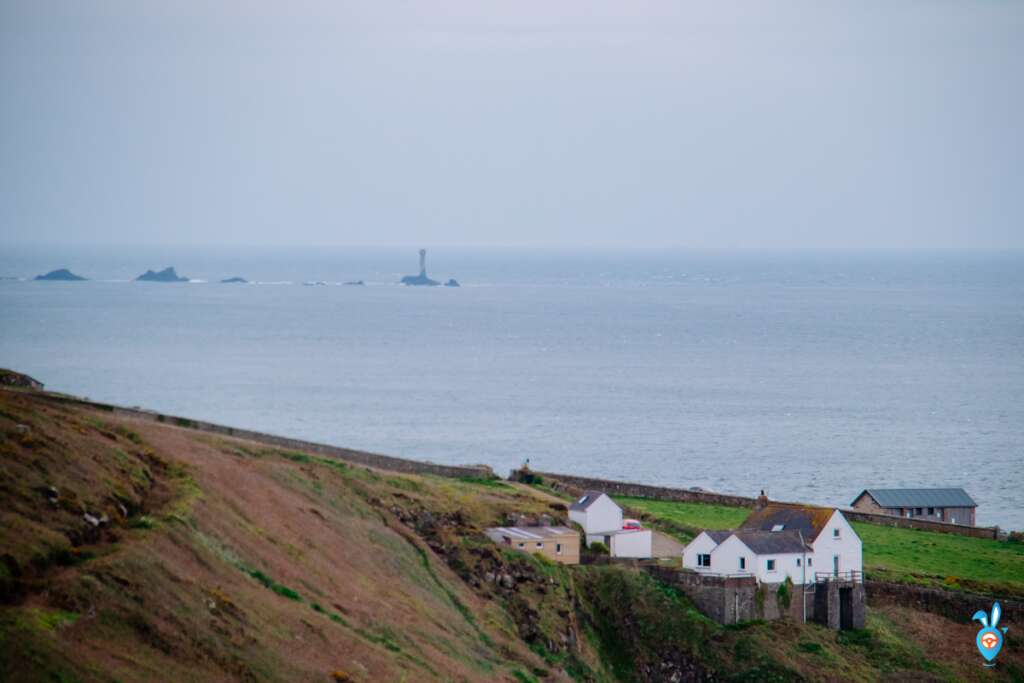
(809, 374)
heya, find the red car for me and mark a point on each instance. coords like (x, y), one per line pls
(631, 524)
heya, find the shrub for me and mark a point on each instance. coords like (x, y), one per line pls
(785, 593)
(599, 548)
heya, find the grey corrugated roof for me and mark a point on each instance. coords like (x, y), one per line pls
(587, 499)
(531, 532)
(921, 498)
(770, 542)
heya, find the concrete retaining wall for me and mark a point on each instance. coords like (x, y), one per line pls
(384, 462)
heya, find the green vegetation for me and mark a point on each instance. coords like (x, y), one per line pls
(943, 560)
(268, 582)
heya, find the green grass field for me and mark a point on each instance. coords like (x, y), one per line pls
(921, 557)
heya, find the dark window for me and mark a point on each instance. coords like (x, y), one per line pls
(558, 548)
(798, 561)
(931, 511)
(771, 565)
(540, 544)
(918, 511)
(810, 561)
(835, 533)
(704, 560)
(743, 563)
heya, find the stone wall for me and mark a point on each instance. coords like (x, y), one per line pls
(573, 484)
(923, 524)
(621, 488)
(726, 600)
(955, 605)
(384, 462)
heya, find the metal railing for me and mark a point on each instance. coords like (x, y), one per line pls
(851, 576)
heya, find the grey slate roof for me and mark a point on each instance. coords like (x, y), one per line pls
(921, 498)
(807, 519)
(718, 536)
(771, 542)
(586, 500)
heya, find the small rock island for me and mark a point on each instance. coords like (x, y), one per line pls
(235, 280)
(165, 275)
(355, 283)
(61, 275)
(452, 283)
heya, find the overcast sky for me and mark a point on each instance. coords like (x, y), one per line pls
(464, 122)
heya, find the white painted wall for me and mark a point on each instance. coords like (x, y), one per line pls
(602, 515)
(637, 544)
(847, 546)
(701, 545)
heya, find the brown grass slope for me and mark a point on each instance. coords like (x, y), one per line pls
(221, 560)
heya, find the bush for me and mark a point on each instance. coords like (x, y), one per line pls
(599, 548)
(785, 593)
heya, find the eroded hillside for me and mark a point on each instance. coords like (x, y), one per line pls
(137, 551)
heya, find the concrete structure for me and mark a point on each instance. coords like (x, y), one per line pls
(780, 541)
(953, 506)
(557, 543)
(635, 543)
(598, 514)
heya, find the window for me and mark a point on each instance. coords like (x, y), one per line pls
(835, 533)
(558, 548)
(778, 527)
(770, 564)
(835, 565)
(810, 561)
(918, 511)
(743, 563)
(522, 545)
(931, 511)
(540, 544)
(798, 561)
(582, 500)
(704, 560)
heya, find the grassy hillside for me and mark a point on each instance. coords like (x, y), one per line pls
(921, 557)
(132, 551)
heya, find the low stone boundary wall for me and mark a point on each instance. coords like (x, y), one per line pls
(922, 524)
(575, 484)
(624, 488)
(384, 462)
(955, 605)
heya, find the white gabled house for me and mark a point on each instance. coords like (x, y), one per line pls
(598, 514)
(601, 519)
(778, 541)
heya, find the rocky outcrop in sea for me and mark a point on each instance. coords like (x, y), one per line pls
(165, 275)
(60, 275)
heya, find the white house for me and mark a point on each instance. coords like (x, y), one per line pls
(780, 540)
(598, 514)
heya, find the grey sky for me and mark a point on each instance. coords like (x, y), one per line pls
(818, 124)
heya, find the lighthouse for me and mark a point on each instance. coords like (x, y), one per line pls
(423, 262)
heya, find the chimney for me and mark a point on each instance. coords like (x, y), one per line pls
(423, 262)
(762, 501)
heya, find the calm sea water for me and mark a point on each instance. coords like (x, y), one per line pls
(812, 375)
